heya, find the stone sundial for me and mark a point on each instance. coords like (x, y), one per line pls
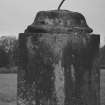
(58, 53)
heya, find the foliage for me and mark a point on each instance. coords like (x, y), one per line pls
(102, 57)
(8, 70)
(8, 47)
(4, 60)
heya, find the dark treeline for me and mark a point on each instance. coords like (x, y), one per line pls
(8, 47)
(4, 58)
(102, 57)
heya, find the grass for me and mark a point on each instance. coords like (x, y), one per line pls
(8, 89)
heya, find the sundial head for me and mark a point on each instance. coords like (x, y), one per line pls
(63, 21)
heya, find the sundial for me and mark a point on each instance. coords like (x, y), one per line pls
(58, 60)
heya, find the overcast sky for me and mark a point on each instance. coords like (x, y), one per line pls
(16, 15)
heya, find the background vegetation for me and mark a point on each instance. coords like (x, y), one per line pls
(8, 47)
(102, 57)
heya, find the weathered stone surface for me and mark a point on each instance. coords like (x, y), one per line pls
(62, 21)
(62, 65)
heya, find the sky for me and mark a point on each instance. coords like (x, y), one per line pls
(16, 15)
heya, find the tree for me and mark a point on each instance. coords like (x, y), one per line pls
(9, 45)
(4, 61)
(102, 57)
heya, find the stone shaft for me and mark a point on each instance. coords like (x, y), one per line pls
(63, 67)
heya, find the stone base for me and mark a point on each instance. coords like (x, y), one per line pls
(58, 69)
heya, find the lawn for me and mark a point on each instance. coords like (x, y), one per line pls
(8, 89)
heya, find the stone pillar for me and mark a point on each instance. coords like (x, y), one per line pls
(58, 61)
